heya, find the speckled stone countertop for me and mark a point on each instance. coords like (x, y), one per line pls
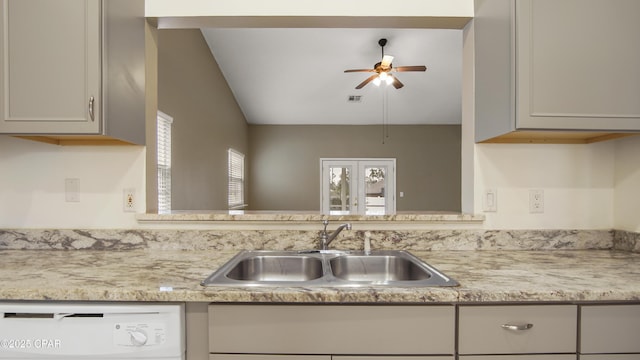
(275, 217)
(175, 275)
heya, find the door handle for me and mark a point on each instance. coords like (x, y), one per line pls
(91, 114)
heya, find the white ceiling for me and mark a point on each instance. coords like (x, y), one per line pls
(296, 76)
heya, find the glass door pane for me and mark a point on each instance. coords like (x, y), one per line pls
(377, 186)
(374, 190)
(340, 190)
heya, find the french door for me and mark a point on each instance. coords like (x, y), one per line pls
(357, 186)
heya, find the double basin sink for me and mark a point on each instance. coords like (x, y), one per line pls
(328, 268)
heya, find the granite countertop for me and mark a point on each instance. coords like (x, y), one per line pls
(175, 275)
(239, 216)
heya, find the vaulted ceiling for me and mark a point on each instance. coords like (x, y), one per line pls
(296, 76)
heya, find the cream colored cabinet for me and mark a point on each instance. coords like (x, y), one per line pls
(72, 67)
(610, 329)
(392, 357)
(551, 69)
(518, 329)
(267, 357)
(332, 329)
(518, 357)
(321, 357)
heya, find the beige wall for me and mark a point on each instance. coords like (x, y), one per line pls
(285, 167)
(627, 184)
(207, 120)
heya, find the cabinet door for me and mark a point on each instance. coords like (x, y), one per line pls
(517, 329)
(519, 357)
(332, 329)
(50, 77)
(375, 357)
(610, 329)
(267, 357)
(577, 64)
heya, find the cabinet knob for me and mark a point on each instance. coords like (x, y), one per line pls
(513, 327)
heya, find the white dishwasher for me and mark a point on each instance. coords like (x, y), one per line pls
(79, 331)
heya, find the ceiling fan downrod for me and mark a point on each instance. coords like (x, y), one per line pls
(382, 43)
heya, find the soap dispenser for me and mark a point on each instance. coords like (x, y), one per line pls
(367, 243)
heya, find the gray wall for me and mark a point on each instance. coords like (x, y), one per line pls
(284, 173)
(207, 120)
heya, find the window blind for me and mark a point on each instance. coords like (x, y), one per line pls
(236, 179)
(164, 162)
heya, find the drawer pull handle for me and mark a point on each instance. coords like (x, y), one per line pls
(512, 327)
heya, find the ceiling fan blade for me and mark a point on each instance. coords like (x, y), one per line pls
(386, 61)
(411, 68)
(368, 80)
(359, 70)
(396, 83)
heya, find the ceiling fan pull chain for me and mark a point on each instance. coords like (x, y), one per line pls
(386, 111)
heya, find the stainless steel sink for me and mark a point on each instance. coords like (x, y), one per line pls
(331, 268)
(377, 268)
(268, 268)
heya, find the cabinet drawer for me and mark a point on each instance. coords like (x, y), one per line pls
(610, 329)
(332, 329)
(553, 329)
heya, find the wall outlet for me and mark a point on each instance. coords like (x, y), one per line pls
(129, 200)
(490, 200)
(536, 201)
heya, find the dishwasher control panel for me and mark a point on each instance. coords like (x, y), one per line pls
(139, 334)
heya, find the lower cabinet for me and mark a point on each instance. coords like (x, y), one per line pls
(321, 357)
(610, 357)
(424, 332)
(332, 329)
(392, 357)
(518, 357)
(267, 357)
(606, 330)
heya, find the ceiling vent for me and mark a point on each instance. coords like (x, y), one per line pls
(354, 98)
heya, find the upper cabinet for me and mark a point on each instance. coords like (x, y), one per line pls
(73, 69)
(556, 71)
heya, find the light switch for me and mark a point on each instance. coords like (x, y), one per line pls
(490, 200)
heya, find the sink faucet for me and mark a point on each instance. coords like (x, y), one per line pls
(326, 239)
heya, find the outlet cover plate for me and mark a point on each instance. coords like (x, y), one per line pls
(536, 201)
(129, 200)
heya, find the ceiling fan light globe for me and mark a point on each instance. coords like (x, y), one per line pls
(377, 81)
(383, 76)
(389, 80)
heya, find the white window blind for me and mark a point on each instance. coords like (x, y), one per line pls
(236, 179)
(164, 162)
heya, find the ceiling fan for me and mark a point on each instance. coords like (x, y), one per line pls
(383, 70)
